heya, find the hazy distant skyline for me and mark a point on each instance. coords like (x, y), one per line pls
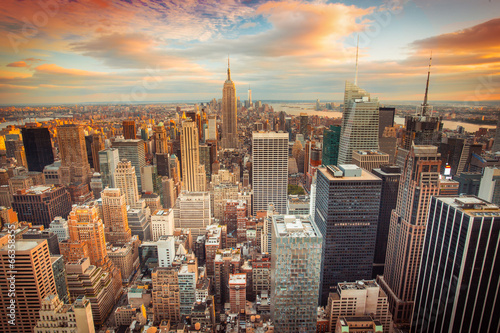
(102, 51)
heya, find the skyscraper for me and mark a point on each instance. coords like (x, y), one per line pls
(269, 170)
(160, 139)
(390, 175)
(458, 284)
(360, 122)
(24, 284)
(114, 215)
(295, 273)
(38, 147)
(192, 210)
(331, 141)
(304, 122)
(419, 181)
(129, 131)
(97, 146)
(193, 177)
(126, 181)
(134, 151)
(229, 114)
(108, 160)
(347, 208)
(75, 167)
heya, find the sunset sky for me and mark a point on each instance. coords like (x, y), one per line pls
(74, 51)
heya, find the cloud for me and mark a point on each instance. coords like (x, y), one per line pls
(17, 64)
(58, 70)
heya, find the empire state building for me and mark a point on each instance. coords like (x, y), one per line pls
(229, 114)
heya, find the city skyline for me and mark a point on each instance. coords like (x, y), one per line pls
(112, 51)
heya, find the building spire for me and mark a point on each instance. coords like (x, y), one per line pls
(228, 69)
(425, 105)
(356, 77)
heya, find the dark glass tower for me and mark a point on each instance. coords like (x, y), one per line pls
(459, 281)
(38, 147)
(347, 208)
(331, 140)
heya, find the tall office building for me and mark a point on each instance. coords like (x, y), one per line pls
(114, 215)
(250, 104)
(496, 143)
(386, 119)
(97, 145)
(193, 177)
(85, 226)
(108, 160)
(41, 204)
(38, 147)
(134, 151)
(75, 167)
(360, 122)
(229, 114)
(390, 175)
(126, 181)
(166, 297)
(331, 141)
(212, 127)
(419, 181)
(347, 208)
(369, 159)
(304, 122)
(129, 130)
(192, 210)
(295, 273)
(160, 139)
(459, 280)
(269, 170)
(24, 284)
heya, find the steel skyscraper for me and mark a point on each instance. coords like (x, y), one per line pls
(419, 182)
(269, 170)
(360, 123)
(229, 113)
(193, 174)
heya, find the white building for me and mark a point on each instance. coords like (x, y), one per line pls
(269, 170)
(60, 227)
(489, 189)
(166, 251)
(192, 210)
(162, 223)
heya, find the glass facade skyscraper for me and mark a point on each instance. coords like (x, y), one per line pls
(295, 272)
(331, 142)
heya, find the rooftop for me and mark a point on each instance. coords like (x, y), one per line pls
(294, 226)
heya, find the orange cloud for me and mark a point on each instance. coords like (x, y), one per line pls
(17, 64)
(58, 70)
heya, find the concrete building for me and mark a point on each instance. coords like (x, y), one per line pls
(125, 258)
(166, 250)
(129, 130)
(360, 123)
(126, 180)
(162, 223)
(219, 195)
(24, 284)
(458, 283)
(51, 238)
(192, 210)
(419, 182)
(269, 170)
(347, 210)
(166, 298)
(75, 166)
(298, 205)
(59, 270)
(41, 204)
(93, 283)
(358, 324)
(138, 222)
(295, 273)
(133, 150)
(57, 317)
(114, 216)
(237, 292)
(193, 173)
(369, 159)
(360, 298)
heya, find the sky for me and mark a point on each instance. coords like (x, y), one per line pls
(122, 51)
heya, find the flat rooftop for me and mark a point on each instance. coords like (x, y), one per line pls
(471, 205)
(365, 175)
(294, 226)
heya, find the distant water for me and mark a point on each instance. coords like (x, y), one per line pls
(29, 120)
